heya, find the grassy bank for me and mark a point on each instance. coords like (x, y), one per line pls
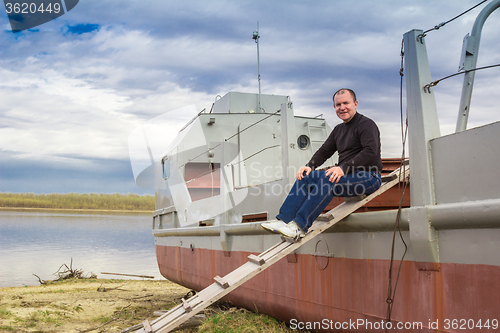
(95, 305)
(127, 202)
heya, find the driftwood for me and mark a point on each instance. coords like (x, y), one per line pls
(104, 289)
(64, 272)
(43, 281)
(134, 275)
(68, 272)
(137, 297)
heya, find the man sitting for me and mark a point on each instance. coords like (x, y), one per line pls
(357, 140)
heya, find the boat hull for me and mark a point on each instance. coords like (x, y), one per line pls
(344, 294)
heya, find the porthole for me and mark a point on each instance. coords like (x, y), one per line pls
(166, 168)
(303, 141)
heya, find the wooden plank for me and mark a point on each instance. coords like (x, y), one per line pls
(270, 249)
(221, 282)
(197, 299)
(176, 309)
(282, 246)
(357, 198)
(290, 240)
(147, 326)
(389, 177)
(186, 305)
(256, 260)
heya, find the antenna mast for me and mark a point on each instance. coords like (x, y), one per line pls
(256, 37)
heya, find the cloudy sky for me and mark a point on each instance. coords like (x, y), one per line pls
(73, 90)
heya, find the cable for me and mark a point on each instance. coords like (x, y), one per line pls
(434, 83)
(260, 151)
(422, 35)
(391, 293)
(232, 136)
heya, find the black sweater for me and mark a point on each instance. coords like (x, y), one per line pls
(358, 144)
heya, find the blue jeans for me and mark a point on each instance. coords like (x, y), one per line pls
(310, 195)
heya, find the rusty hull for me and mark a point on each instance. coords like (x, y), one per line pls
(308, 288)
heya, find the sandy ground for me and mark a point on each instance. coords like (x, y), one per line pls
(87, 305)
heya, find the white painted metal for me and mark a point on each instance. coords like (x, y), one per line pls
(469, 55)
(468, 173)
(288, 144)
(423, 126)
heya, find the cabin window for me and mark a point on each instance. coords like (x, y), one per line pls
(202, 180)
(166, 168)
(303, 141)
(258, 217)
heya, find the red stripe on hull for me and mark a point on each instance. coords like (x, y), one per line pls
(347, 290)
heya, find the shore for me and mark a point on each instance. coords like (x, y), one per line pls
(111, 306)
(85, 305)
(78, 210)
(79, 201)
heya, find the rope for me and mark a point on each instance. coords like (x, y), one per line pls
(260, 151)
(422, 35)
(391, 293)
(434, 83)
(272, 114)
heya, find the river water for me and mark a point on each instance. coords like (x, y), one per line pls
(39, 242)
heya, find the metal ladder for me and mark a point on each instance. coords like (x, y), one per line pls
(322, 127)
(258, 263)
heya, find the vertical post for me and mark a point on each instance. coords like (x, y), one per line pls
(226, 197)
(288, 144)
(423, 127)
(469, 55)
(256, 37)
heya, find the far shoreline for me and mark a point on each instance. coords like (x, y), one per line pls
(83, 210)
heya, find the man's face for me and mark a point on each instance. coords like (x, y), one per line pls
(345, 106)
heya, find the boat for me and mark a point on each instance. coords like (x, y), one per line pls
(229, 169)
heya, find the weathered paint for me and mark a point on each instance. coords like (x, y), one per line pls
(347, 289)
(388, 200)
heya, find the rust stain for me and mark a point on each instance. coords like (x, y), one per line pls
(439, 295)
(292, 258)
(346, 289)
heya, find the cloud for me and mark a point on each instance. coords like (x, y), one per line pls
(49, 113)
(80, 84)
(65, 174)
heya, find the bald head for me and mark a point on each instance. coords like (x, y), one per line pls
(344, 91)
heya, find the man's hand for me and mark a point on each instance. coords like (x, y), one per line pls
(335, 173)
(300, 173)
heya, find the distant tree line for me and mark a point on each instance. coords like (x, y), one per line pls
(132, 202)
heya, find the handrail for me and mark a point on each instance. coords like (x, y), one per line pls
(470, 49)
